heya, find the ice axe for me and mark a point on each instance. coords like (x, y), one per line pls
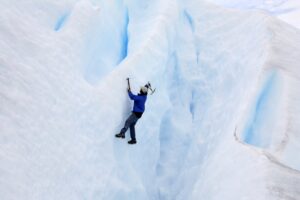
(148, 85)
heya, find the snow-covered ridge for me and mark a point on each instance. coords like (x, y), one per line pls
(286, 10)
(279, 100)
(222, 124)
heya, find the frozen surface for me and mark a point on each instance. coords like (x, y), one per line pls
(223, 123)
(286, 10)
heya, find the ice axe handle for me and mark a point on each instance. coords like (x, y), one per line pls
(128, 84)
(152, 91)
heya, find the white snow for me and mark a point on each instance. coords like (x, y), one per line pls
(223, 123)
(286, 10)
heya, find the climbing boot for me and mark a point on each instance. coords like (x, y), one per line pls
(132, 141)
(120, 135)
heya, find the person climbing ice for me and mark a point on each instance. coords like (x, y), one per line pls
(137, 111)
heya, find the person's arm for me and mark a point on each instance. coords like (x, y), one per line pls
(132, 96)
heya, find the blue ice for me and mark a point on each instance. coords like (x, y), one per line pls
(61, 21)
(262, 111)
(125, 39)
(190, 20)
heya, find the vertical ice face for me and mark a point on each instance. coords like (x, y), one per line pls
(222, 124)
(106, 42)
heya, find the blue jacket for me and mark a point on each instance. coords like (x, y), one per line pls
(139, 102)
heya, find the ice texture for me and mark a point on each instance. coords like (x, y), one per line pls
(223, 124)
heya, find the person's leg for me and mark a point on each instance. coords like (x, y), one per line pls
(130, 120)
(132, 135)
(132, 132)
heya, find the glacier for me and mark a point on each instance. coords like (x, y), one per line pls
(222, 124)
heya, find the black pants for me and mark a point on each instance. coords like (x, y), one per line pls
(130, 123)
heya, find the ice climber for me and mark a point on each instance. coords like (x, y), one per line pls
(137, 112)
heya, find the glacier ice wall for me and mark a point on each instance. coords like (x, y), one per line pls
(223, 123)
